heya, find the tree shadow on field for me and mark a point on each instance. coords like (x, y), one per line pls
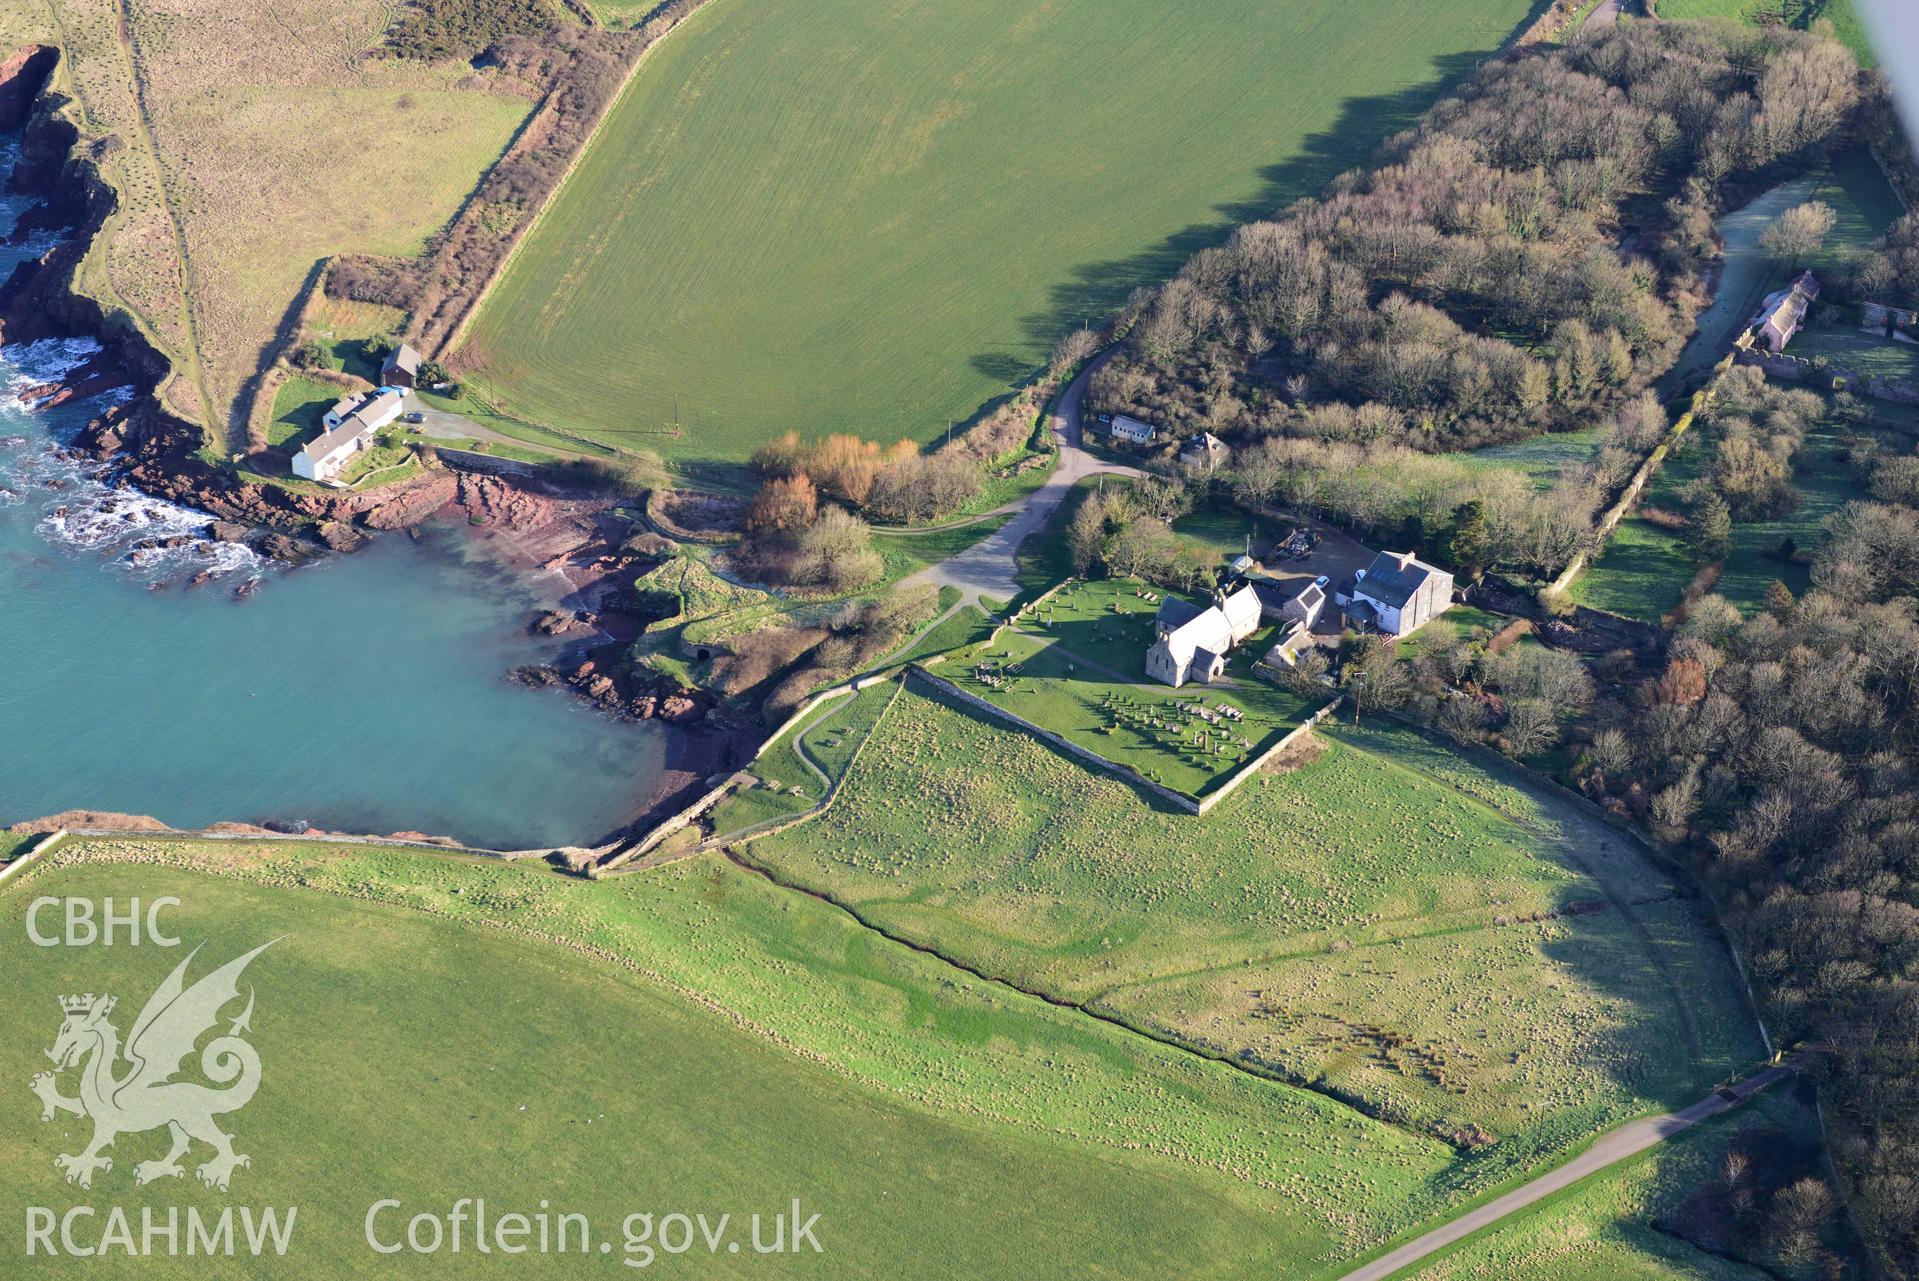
(1092, 291)
(1628, 928)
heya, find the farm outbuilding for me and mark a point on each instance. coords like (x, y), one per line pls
(401, 368)
(1131, 431)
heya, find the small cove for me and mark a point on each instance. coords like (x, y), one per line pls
(362, 693)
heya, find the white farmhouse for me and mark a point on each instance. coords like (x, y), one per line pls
(323, 457)
(377, 407)
(1131, 431)
(1396, 595)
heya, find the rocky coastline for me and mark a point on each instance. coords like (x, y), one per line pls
(533, 528)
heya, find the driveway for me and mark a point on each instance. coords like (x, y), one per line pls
(990, 567)
(439, 424)
(1337, 556)
(1613, 1146)
(1607, 13)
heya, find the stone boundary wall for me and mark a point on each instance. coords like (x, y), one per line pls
(21, 862)
(1797, 369)
(1253, 766)
(1125, 772)
(1630, 495)
(484, 464)
(673, 823)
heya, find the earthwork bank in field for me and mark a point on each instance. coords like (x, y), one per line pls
(694, 1038)
(1444, 946)
(840, 215)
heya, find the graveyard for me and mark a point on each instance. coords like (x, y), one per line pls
(1073, 664)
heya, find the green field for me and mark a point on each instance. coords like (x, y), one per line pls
(1455, 950)
(298, 408)
(694, 1039)
(1858, 192)
(988, 177)
(1644, 570)
(1803, 13)
(1848, 348)
(1542, 459)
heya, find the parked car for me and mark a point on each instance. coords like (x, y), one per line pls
(416, 417)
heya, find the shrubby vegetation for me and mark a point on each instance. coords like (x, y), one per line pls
(1468, 289)
(1781, 749)
(1127, 531)
(792, 661)
(434, 29)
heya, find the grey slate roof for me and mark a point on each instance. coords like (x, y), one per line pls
(1176, 613)
(405, 359)
(1393, 579)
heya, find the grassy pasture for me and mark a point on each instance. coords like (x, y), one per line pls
(837, 216)
(1801, 13)
(732, 1044)
(299, 408)
(260, 141)
(1842, 343)
(1359, 924)
(1542, 459)
(1644, 570)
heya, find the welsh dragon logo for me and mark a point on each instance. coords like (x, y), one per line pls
(143, 1096)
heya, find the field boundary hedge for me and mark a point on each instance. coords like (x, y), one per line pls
(1630, 495)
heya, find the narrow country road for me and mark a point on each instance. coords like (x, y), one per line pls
(1606, 14)
(991, 566)
(1609, 1148)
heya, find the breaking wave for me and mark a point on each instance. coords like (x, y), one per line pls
(84, 507)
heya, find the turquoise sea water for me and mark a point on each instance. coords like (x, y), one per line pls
(363, 693)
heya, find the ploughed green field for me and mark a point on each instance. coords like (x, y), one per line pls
(1455, 950)
(693, 1039)
(848, 215)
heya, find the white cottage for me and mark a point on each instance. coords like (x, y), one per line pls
(1396, 595)
(377, 407)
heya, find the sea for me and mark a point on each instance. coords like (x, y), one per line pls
(361, 693)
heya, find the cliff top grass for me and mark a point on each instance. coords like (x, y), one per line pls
(748, 1040)
(254, 140)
